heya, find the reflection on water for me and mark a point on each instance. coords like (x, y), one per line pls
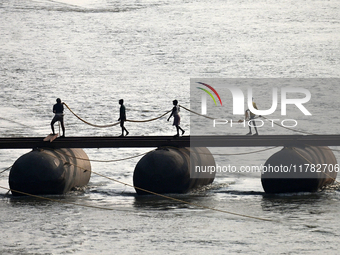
(92, 53)
(172, 201)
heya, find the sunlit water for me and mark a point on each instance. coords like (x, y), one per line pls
(92, 53)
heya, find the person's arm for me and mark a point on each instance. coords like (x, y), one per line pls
(123, 114)
(172, 112)
(120, 113)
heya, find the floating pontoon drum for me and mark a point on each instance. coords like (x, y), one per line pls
(48, 171)
(299, 169)
(171, 170)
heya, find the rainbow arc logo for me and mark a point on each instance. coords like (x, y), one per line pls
(204, 99)
(209, 93)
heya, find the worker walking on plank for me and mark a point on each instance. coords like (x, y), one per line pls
(122, 117)
(177, 118)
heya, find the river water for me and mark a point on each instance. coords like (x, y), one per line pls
(91, 53)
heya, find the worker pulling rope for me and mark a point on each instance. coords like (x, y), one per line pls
(156, 118)
(113, 124)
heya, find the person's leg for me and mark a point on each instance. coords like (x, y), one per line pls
(52, 127)
(62, 127)
(177, 128)
(256, 133)
(127, 132)
(52, 124)
(122, 127)
(254, 126)
(181, 130)
(249, 125)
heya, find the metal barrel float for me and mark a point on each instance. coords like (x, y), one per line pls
(49, 171)
(172, 170)
(299, 169)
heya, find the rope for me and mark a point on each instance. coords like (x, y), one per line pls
(135, 187)
(170, 198)
(5, 169)
(245, 153)
(226, 154)
(311, 163)
(150, 119)
(111, 209)
(1, 118)
(108, 161)
(58, 200)
(142, 154)
(182, 201)
(88, 123)
(150, 192)
(93, 160)
(114, 124)
(156, 118)
(197, 113)
(294, 130)
(126, 184)
(324, 148)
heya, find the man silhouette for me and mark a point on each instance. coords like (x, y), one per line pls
(177, 118)
(58, 110)
(251, 119)
(122, 117)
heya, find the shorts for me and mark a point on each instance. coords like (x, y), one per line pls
(58, 117)
(177, 120)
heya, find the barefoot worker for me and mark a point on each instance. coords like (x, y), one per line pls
(122, 117)
(177, 118)
(58, 110)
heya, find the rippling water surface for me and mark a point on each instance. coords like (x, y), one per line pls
(92, 53)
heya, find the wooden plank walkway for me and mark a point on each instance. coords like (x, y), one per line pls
(159, 141)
